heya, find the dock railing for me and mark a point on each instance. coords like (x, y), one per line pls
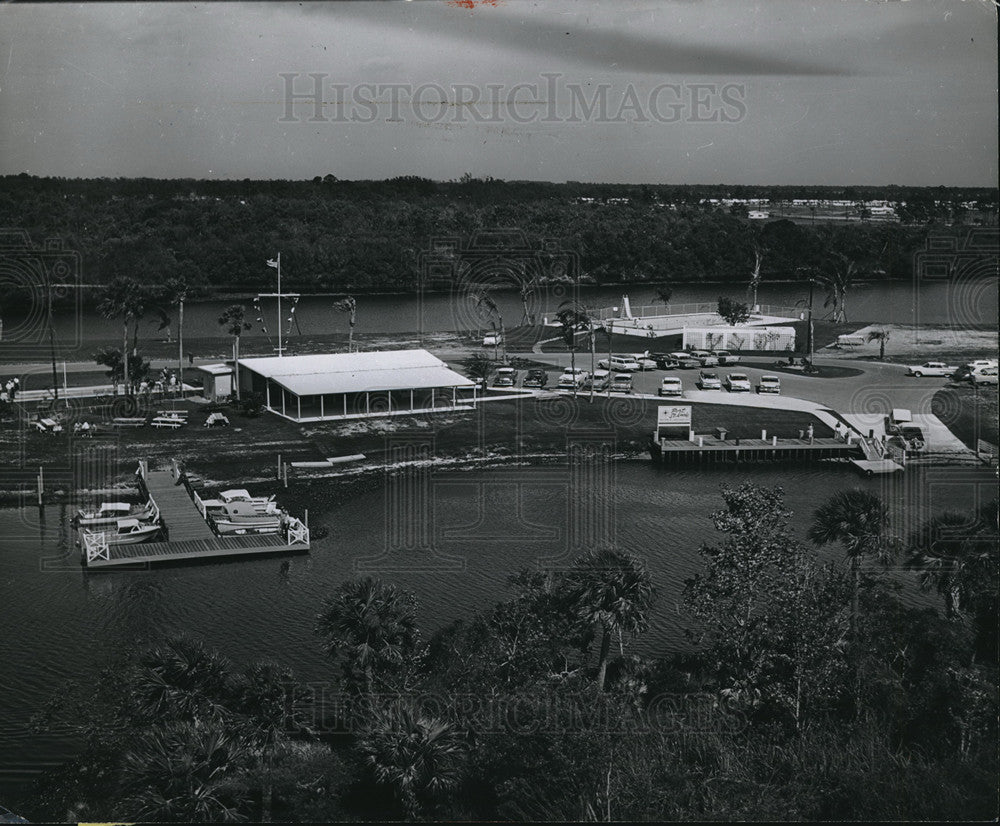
(95, 546)
(298, 533)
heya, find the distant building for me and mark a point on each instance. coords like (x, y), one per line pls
(758, 214)
(355, 385)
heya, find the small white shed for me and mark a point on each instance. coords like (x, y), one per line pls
(217, 381)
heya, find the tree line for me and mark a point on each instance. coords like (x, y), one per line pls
(808, 691)
(373, 235)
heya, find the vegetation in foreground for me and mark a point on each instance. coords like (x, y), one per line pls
(812, 693)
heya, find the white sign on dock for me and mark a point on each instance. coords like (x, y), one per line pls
(673, 414)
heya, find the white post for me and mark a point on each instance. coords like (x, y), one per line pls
(322, 415)
(298, 406)
(454, 397)
(774, 441)
(367, 403)
(763, 435)
(279, 309)
(411, 398)
(344, 396)
(64, 377)
(701, 441)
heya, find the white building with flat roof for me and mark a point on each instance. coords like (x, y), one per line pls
(355, 385)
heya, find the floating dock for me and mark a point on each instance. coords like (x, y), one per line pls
(711, 449)
(188, 534)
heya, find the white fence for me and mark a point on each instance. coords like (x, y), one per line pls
(664, 310)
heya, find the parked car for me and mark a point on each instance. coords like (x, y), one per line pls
(506, 377)
(671, 386)
(768, 384)
(535, 378)
(725, 357)
(621, 383)
(930, 368)
(598, 381)
(705, 358)
(983, 375)
(897, 420)
(571, 378)
(707, 380)
(964, 373)
(645, 361)
(492, 340)
(738, 382)
(686, 361)
(620, 363)
(664, 361)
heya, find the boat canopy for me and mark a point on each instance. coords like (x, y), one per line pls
(232, 509)
(127, 523)
(900, 414)
(236, 493)
(121, 507)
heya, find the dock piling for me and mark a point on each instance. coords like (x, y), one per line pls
(41, 485)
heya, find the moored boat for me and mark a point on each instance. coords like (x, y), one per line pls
(264, 504)
(243, 517)
(109, 513)
(126, 532)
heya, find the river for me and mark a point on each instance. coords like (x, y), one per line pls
(961, 303)
(60, 622)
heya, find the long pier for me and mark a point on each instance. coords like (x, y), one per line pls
(710, 449)
(188, 534)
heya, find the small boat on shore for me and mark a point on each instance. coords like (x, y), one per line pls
(109, 513)
(127, 532)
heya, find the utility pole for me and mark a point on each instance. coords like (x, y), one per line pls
(52, 338)
(611, 332)
(811, 338)
(180, 341)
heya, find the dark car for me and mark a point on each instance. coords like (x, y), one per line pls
(536, 378)
(664, 361)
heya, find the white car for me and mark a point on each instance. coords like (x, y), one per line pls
(599, 381)
(621, 383)
(621, 364)
(571, 378)
(930, 368)
(706, 358)
(738, 382)
(644, 361)
(492, 340)
(725, 357)
(984, 375)
(708, 380)
(506, 377)
(768, 384)
(671, 386)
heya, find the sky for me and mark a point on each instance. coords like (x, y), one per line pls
(630, 91)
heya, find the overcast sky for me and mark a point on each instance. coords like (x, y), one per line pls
(692, 91)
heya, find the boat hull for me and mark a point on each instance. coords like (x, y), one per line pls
(131, 538)
(226, 526)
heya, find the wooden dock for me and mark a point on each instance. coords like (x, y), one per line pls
(711, 449)
(188, 534)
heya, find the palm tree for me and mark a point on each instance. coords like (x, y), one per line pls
(486, 301)
(614, 590)
(859, 520)
(371, 628)
(881, 336)
(664, 293)
(527, 290)
(837, 279)
(350, 306)
(123, 298)
(186, 772)
(418, 756)
(955, 553)
(182, 679)
(758, 261)
(176, 293)
(572, 317)
(235, 323)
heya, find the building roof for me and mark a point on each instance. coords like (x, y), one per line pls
(216, 369)
(357, 372)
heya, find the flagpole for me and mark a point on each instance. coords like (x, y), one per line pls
(279, 305)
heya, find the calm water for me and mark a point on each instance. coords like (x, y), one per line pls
(60, 622)
(904, 303)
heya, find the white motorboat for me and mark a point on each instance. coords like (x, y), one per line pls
(127, 532)
(243, 517)
(264, 504)
(109, 513)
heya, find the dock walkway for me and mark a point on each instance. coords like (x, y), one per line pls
(189, 535)
(714, 449)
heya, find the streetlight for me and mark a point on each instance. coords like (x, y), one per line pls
(611, 332)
